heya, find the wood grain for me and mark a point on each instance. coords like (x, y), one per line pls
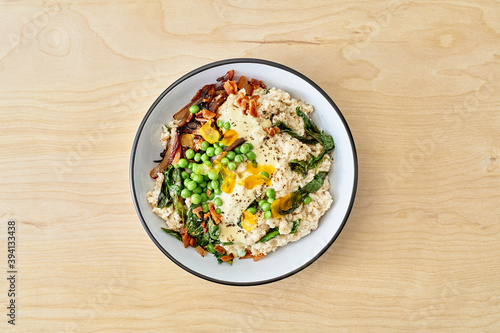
(417, 81)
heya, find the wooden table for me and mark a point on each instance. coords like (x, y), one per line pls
(417, 81)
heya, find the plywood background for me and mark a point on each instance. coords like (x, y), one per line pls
(417, 81)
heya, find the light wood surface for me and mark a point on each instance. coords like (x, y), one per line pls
(417, 81)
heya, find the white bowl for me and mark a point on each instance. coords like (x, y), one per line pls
(286, 260)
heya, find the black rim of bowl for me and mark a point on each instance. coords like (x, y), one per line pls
(199, 70)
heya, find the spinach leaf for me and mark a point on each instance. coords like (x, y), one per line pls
(284, 128)
(173, 181)
(213, 230)
(315, 184)
(314, 135)
(193, 222)
(173, 233)
(272, 233)
(195, 229)
(164, 197)
(295, 226)
(301, 167)
(309, 127)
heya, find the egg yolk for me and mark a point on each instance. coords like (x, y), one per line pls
(259, 168)
(209, 133)
(254, 180)
(247, 220)
(282, 204)
(229, 137)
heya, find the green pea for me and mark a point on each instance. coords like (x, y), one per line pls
(261, 202)
(227, 125)
(252, 210)
(249, 145)
(307, 200)
(190, 154)
(205, 157)
(185, 193)
(250, 155)
(186, 182)
(176, 166)
(208, 163)
(197, 157)
(239, 158)
(268, 215)
(266, 206)
(198, 178)
(237, 150)
(213, 175)
(198, 190)
(205, 208)
(270, 192)
(245, 148)
(264, 173)
(218, 201)
(194, 108)
(184, 175)
(204, 197)
(210, 151)
(209, 186)
(191, 186)
(215, 184)
(271, 200)
(218, 150)
(231, 155)
(220, 123)
(195, 199)
(217, 191)
(231, 165)
(224, 161)
(205, 145)
(211, 196)
(204, 183)
(218, 210)
(183, 163)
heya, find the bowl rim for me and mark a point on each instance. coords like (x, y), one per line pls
(199, 70)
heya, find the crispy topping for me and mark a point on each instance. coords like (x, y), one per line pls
(252, 108)
(207, 114)
(197, 211)
(201, 250)
(258, 256)
(243, 84)
(256, 84)
(219, 249)
(248, 104)
(230, 87)
(228, 257)
(215, 217)
(272, 130)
